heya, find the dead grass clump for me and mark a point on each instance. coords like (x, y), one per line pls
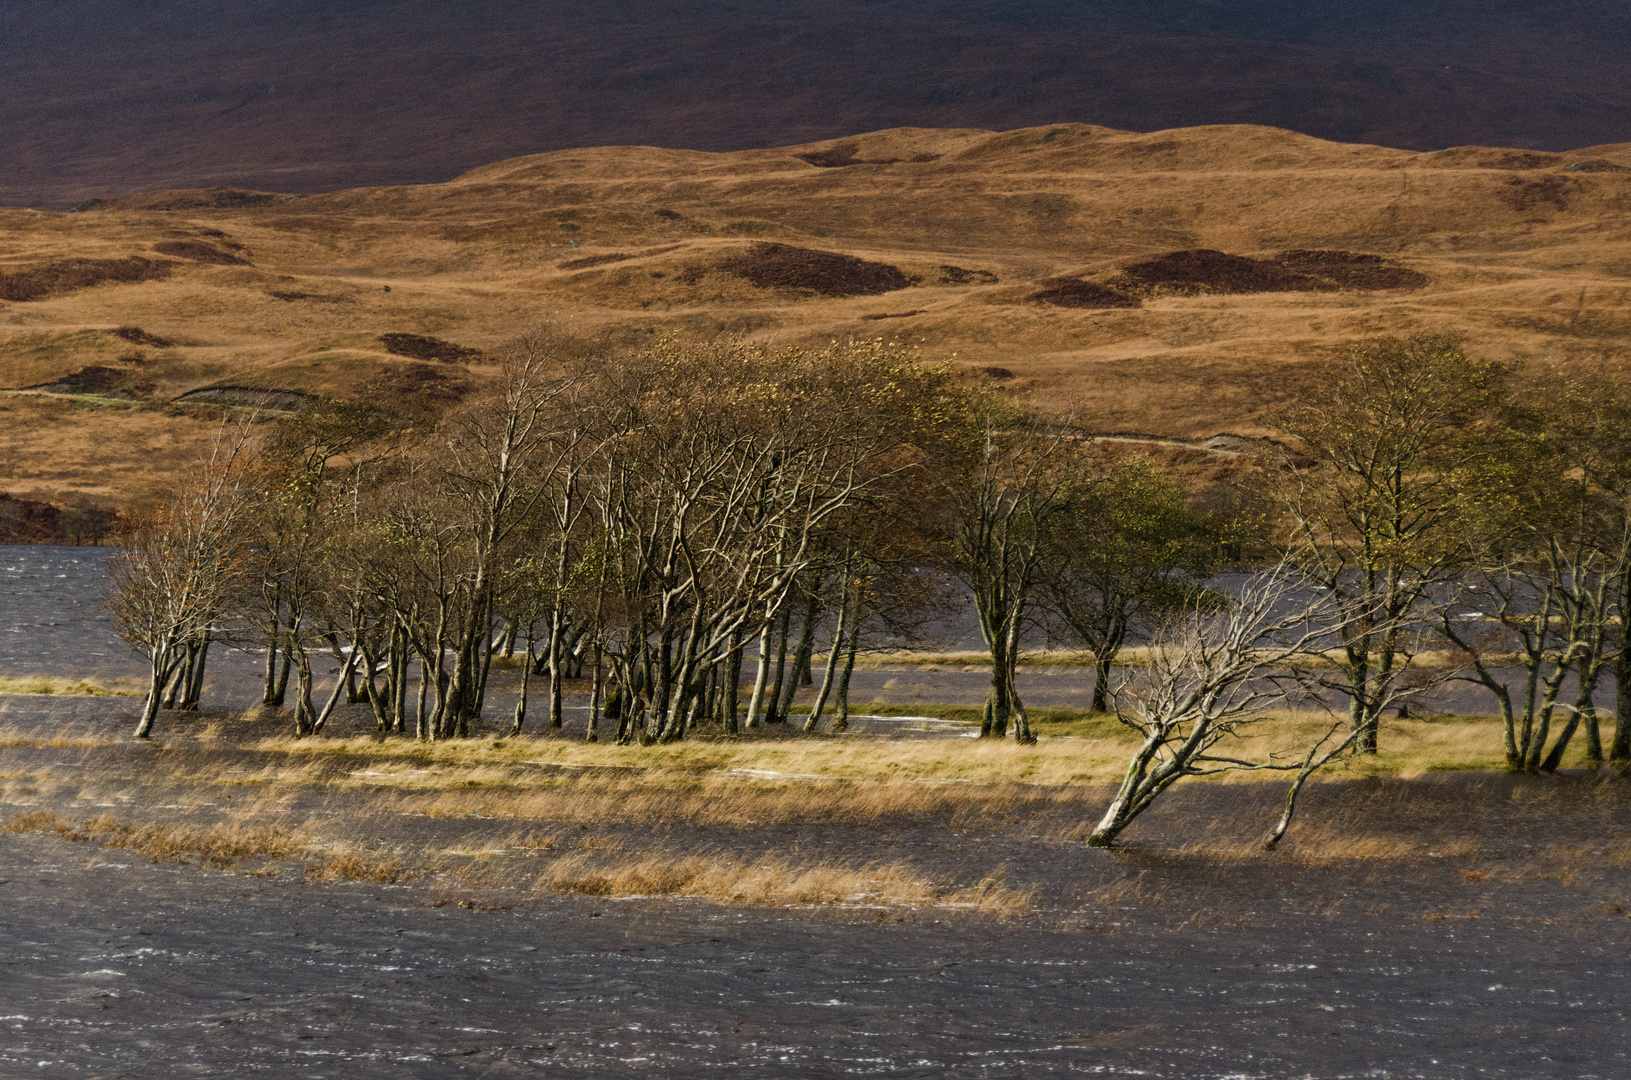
(198, 251)
(1075, 293)
(66, 275)
(1202, 271)
(421, 347)
(46, 685)
(137, 336)
(1351, 269)
(775, 882)
(38, 822)
(217, 845)
(351, 866)
(782, 266)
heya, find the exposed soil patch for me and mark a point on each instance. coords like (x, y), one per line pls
(1202, 271)
(891, 315)
(421, 347)
(137, 336)
(782, 266)
(956, 275)
(1075, 293)
(198, 251)
(249, 397)
(1352, 269)
(66, 275)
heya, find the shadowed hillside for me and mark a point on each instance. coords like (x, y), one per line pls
(1179, 283)
(306, 96)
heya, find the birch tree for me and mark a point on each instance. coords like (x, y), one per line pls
(183, 565)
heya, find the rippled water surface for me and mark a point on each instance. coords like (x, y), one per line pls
(111, 965)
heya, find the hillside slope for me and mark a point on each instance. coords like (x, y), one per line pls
(1042, 257)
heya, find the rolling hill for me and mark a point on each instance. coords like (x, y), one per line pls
(304, 96)
(1180, 283)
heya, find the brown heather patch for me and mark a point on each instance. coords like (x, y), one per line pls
(198, 251)
(783, 266)
(423, 347)
(66, 275)
(137, 336)
(1069, 292)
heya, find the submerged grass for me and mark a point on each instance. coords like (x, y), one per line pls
(49, 685)
(778, 882)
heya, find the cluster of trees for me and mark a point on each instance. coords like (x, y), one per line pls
(689, 524)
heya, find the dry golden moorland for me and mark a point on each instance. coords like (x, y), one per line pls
(1528, 253)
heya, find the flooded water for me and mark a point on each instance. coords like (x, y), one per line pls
(53, 621)
(1140, 962)
(116, 968)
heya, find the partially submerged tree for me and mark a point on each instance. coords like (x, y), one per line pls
(1010, 481)
(1128, 554)
(1398, 456)
(182, 565)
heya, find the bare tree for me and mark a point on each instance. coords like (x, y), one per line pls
(1010, 487)
(182, 565)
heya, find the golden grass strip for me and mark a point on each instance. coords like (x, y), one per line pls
(46, 685)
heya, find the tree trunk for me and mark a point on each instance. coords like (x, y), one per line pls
(159, 675)
(1101, 682)
(759, 679)
(801, 657)
(554, 646)
(269, 693)
(730, 698)
(596, 685)
(303, 711)
(832, 666)
(773, 706)
(1619, 751)
(342, 683)
(521, 703)
(840, 720)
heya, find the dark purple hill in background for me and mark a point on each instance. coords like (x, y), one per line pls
(106, 96)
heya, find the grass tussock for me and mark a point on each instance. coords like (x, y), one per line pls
(217, 845)
(777, 882)
(55, 687)
(351, 866)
